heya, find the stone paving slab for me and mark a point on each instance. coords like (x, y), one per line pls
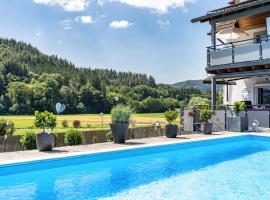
(24, 156)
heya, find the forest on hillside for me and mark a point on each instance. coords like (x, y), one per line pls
(31, 80)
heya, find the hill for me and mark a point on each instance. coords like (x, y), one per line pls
(31, 80)
(198, 84)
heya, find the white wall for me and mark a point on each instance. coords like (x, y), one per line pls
(244, 90)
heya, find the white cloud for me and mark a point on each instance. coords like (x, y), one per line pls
(185, 10)
(38, 36)
(159, 6)
(120, 24)
(85, 19)
(163, 23)
(68, 5)
(66, 24)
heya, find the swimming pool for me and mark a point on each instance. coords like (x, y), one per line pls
(226, 168)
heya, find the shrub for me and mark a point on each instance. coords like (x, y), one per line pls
(199, 102)
(205, 114)
(73, 137)
(29, 140)
(64, 124)
(6, 127)
(151, 105)
(76, 124)
(121, 114)
(171, 115)
(94, 139)
(109, 136)
(238, 107)
(45, 120)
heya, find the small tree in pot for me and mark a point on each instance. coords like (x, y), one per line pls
(205, 116)
(238, 123)
(171, 129)
(120, 120)
(45, 120)
(238, 107)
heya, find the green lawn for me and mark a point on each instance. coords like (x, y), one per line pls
(25, 123)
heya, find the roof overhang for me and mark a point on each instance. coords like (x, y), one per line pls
(219, 81)
(230, 78)
(250, 6)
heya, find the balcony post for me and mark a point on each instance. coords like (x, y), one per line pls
(208, 57)
(213, 93)
(233, 53)
(260, 46)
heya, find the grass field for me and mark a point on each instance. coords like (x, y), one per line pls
(88, 121)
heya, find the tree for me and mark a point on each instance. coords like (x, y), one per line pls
(20, 95)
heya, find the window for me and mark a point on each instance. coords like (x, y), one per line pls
(264, 95)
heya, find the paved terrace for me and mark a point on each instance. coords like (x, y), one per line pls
(24, 156)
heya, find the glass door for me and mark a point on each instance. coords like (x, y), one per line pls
(264, 96)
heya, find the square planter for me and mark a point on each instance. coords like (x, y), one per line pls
(237, 124)
(207, 128)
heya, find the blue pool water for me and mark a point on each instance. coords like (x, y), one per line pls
(229, 168)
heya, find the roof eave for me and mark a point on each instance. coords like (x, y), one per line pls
(209, 17)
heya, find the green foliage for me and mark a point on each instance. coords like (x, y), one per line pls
(171, 115)
(73, 137)
(238, 107)
(31, 80)
(45, 120)
(64, 123)
(29, 140)
(94, 139)
(198, 102)
(121, 114)
(205, 114)
(6, 127)
(76, 124)
(109, 136)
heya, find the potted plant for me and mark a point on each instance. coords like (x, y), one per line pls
(120, 120)
(171, 129)
(45, 120)
(237, 123)
(205, 116)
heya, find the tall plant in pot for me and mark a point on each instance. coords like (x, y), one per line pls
(237, 123)
(46, 121)
(170, 128)
(120, 120)
(205, 116)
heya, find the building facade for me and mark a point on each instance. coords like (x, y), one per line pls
(239, 55)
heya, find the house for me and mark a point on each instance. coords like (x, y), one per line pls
(239, 55)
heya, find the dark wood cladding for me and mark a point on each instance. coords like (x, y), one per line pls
(238, 69)
(253, 22)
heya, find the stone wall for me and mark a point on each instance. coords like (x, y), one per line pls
(12, 143)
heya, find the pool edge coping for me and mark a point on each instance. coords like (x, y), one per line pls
(118, 149)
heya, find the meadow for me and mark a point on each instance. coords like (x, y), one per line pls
(24, 123)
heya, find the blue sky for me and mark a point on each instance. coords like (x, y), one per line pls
(148, 36)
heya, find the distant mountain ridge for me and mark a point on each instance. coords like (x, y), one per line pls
(198, 84)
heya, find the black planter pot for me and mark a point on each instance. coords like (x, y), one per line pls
(207, 128)
(119, 131)
(171, 130)
(45, 141)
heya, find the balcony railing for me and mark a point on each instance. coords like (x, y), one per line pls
(254, 49)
